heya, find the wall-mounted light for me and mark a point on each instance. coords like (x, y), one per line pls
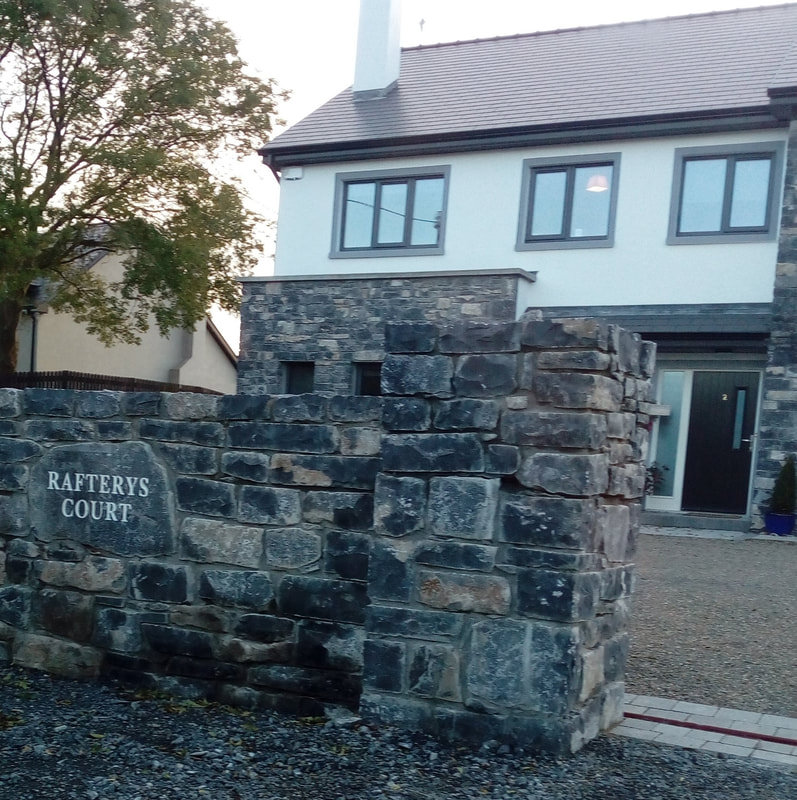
(597, 183)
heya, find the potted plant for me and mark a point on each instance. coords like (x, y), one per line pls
(779, 519)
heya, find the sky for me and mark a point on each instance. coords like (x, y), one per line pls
(308, 47)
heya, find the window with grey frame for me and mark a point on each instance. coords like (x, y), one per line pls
(390, 213)
(568, 202)
(723, 194)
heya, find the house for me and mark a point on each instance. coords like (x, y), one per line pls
(634, 172)
(56, 342)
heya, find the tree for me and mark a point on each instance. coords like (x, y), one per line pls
(113, 114)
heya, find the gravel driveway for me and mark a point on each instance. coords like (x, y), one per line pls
(715, 621)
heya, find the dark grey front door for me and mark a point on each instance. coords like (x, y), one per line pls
(719, 447)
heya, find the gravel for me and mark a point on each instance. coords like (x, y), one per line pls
(715, 621)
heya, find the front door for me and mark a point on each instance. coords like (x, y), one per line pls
(719, 445)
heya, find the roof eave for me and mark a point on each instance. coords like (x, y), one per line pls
(772, 116)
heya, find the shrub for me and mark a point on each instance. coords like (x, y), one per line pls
(784, 493)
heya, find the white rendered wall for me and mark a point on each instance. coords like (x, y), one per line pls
(482, 220)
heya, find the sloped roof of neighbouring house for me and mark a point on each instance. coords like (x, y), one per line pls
(704, 71)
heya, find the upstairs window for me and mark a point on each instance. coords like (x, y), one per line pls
(723, 194)
(298, 377)
(368, 378)
(568, 202)
(397, 212)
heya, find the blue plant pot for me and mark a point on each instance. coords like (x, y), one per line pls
(779, 524)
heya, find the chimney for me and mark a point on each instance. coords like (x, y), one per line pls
(376, 71)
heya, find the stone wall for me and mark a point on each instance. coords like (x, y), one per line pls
(778, 427)
(336, 321)
(453, 556)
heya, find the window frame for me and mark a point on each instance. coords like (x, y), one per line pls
(382, 176)
(361, 377)
(531, 166)
(775, 151)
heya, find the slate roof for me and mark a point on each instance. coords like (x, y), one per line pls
(701, 66)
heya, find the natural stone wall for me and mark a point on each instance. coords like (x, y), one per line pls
(453, 556)
(778, 427)
(505, 517)
(337, 320)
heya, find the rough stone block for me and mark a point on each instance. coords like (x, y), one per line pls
(579, 390)
(201, 496)
(14, 515)
(547, 521)
(576, 333)
(242, 406)
(434, 672)
(550, 429)
(248, 589)
(246, 466)
(55, 656)
(141, 404)
(629, 346)
(346, 510)
(335, 686)
(243, 651)
(299, 408)
(502, 459)
(265, 628)
(410, 338)
(162, 583)
(561, 596)
(592, 677)
(114, 430)
(486, 375)
(293, 548)
(384, 664)
(413, 623)
(559, 473)
(58, 430)
(330, 645)
(417, 375)
(553, 667)
(466, 414)
(334, 472)
(463, 508)
(189, 405)
(264, 505)
(289, 437)
(614, 527)
(389, 570)
(50, 402)
(432, 452)
(10, 402)
(647, 359)
(189, 459)
(173, 641)
(575, 360)
(484, 594)
(620, 425)
(615, 655)
(97, 405)
(454, 555)
(497, 671)
(399, 505)
(480, 337)
(210, 434)
(627, 481)
(215, 671)
(208, 618)
(13, 477)
(360, 441)
(94, 574)
(16, 450)
(355, 408)
(15, 604)
(346, 555)
(560, 560)
(65, 614)
(317, 598)
(406, 414)
(116, 629)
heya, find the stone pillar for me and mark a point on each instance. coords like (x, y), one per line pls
(778, 428)
(505, 517)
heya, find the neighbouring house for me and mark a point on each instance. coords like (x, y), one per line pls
(192, 358)
(634, 172)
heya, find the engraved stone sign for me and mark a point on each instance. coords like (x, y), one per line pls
(114, 497)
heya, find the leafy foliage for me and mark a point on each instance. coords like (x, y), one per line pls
(113, 114)
(784, 493)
